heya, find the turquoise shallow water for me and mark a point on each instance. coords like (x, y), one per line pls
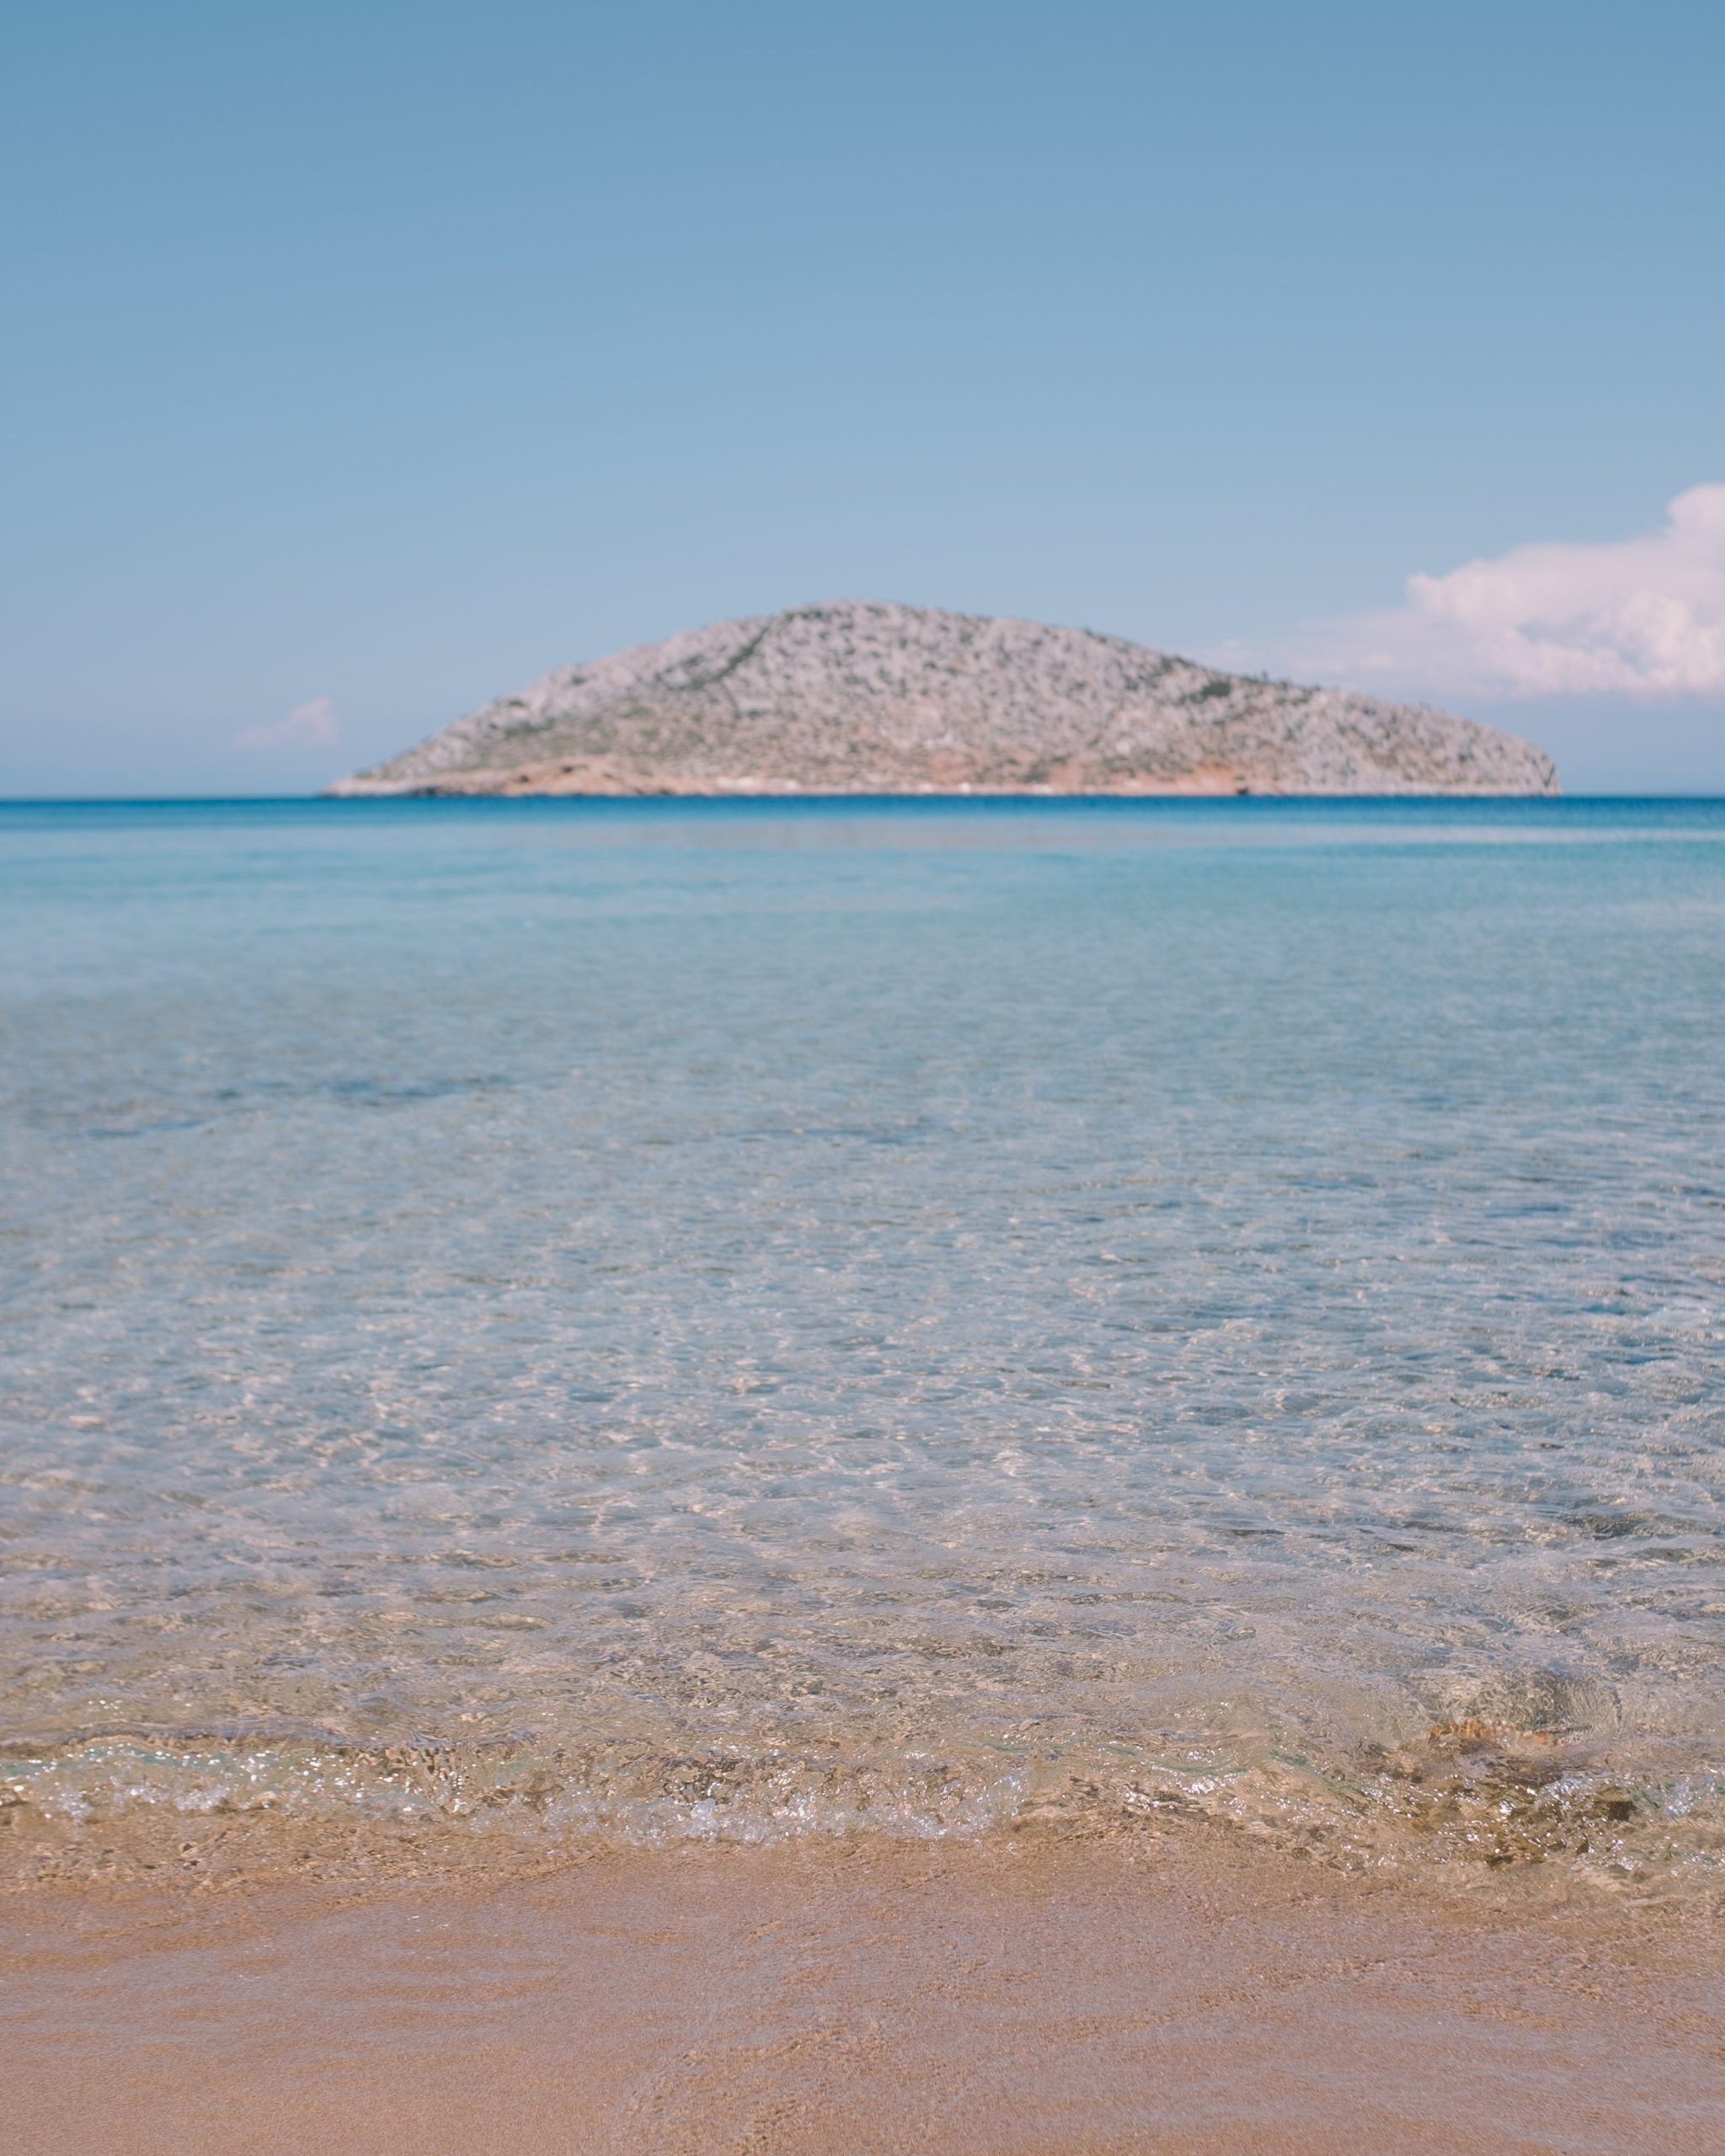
(764, 1318)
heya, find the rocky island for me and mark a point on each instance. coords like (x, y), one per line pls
(857, 697)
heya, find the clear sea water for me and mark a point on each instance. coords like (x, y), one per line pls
(530, 1318)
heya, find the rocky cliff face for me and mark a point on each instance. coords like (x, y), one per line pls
(859, 698)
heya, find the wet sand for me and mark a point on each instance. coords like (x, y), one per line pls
(1177, 1996)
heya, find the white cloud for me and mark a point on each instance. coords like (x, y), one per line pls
(1642, 616)
(306, 726)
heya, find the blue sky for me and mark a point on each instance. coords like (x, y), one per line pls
(366, 361)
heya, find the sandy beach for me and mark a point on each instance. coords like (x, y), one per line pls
(1182, 1993)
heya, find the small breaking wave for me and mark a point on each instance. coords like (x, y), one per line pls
(1467, 1798)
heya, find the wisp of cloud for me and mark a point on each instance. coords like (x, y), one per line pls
(306, 726)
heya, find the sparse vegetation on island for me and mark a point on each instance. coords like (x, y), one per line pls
(857, 697)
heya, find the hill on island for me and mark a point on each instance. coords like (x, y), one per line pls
(856, 697)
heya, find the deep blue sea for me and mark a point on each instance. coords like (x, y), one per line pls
(524, 1319)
